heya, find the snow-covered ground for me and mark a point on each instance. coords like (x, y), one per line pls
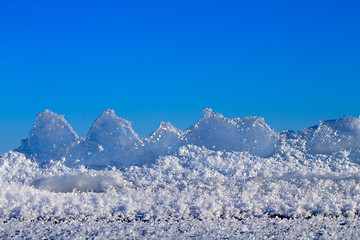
(250, 228)
(220, 178)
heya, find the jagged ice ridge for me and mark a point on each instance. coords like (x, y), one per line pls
(111, 140)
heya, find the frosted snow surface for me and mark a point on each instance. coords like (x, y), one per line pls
(229, 174)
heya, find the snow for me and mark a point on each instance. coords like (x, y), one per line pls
(252, 228)
(220, 178)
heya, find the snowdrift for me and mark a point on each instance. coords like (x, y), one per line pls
(218, 169)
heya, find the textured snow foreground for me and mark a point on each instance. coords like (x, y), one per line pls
(220, 178)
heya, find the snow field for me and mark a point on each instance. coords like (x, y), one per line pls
(194, 183)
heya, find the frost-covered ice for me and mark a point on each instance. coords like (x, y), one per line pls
(219, 133)
(230, 174)
(49, 138)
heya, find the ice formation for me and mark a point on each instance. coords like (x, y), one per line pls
(112, 141)
(333, 135)
(165, 140)
(219, 133)
(49, 138)
(218, 170)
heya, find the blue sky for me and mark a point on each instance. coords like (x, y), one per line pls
(292, 62)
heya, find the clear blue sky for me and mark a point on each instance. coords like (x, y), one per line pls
(292, 62)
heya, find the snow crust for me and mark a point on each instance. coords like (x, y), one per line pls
(218, 171)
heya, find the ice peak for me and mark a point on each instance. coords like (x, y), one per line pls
(109, 112)
(208, 113)
(47, 111)
(50, 135)
(110, 129)
(47, 114)
(166, 127)
(214, 131)
(52, 121)
(347, 122)
(207, 110)
(109, 116)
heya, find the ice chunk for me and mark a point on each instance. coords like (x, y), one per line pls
(49, 138)
(112, 131)
(111, 142)
(219, 133)
(165, 140)
(333, 135)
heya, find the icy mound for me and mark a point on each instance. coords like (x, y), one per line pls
(165, 140)
(333, 135)
(112, 131)
(49, 138)
(111, 142)
(218, 133)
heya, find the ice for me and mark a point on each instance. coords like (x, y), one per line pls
(165, 140)
(111, 142)
(230, 174)
(75, 183)
(112, 131)
(49, 138)
(218, 133)
(333, 135)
